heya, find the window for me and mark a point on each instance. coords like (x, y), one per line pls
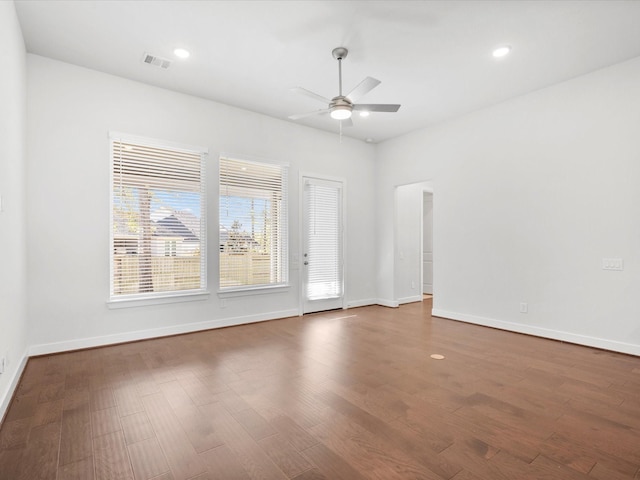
(253, 224)
(158, 245)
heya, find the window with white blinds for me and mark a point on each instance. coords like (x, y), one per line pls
(324, 239)
(158, 244)
(253, 224)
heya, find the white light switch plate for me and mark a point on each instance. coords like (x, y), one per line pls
(612, 264)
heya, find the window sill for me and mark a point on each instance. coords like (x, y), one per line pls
(250, 291)
(160, 300)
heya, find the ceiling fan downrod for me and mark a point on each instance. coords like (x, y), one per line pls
(339, 54)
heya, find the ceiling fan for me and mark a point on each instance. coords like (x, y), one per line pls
(341, 107)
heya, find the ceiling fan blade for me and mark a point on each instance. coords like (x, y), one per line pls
(309, 93)
(376, 107)
(362, 89)
(298, 116)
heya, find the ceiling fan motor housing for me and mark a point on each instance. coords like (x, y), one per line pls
(340, 108)
(341, 102)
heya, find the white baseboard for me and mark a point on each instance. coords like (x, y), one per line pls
(7, 395)
(77, 344)
(387, 303)
(361, 303)
(603, 343)
(415, 298)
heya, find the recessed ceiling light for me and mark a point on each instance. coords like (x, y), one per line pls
(364, 113)
(368, 140)
(501, 51)
(181, 53)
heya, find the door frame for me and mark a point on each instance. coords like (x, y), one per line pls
(299, 260)
(427, 190)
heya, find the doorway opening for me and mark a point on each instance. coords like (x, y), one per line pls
(414, 255)
(427, 244)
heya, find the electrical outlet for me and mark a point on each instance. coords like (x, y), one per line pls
(3, 361)
(413, 285)
(524, 308)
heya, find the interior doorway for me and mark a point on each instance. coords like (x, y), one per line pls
(427, 243)
(411, 242)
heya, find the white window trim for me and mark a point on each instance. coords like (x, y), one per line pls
(243, 291)
(158, 298)
(155, 142)
(254, 159)
(253, 290)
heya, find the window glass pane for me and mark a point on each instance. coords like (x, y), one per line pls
(253, 231)
(324, 238)
(158, 220)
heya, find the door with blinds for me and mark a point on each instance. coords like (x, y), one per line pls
(322, 256)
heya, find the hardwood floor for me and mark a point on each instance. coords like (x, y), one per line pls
(347, 395)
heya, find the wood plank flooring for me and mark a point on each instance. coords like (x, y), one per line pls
(338, 395)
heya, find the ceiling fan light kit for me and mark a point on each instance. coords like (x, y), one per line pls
(341, 106)
(341, 111)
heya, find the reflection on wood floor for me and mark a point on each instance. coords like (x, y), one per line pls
(329, 396)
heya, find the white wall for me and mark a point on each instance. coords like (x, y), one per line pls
(70, 112)
(13, 287)
(529, 196)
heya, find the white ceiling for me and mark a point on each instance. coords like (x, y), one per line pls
(433, 57)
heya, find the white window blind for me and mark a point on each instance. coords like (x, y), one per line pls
(324, 239)
(158, 244)
(253, 224)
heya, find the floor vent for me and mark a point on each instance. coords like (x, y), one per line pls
(156, 61)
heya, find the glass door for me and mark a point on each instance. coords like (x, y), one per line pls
(322, 264)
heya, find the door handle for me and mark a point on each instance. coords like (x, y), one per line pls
(306, 263)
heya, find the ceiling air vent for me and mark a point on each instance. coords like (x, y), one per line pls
(156, 61)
